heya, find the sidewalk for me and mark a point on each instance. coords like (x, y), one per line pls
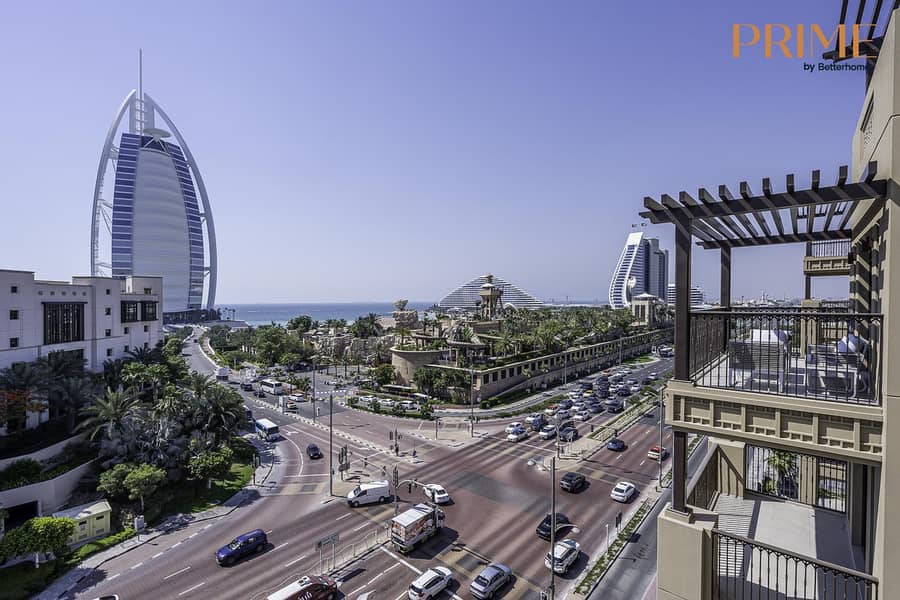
(61, 586)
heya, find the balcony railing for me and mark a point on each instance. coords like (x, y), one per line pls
(830, 248)
(826, 354)
(745, 569)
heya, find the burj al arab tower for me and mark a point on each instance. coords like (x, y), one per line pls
(146, 218)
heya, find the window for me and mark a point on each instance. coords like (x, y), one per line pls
(130, 312)
(109, 351)
(126, 331)
(109, 333)
(148, 291)
(14, 342)
(126, 347)
(108, 291)
(13, 315)
(63, 322)
(148, 311)
(13, 289)
(107, 311)
(146, 328)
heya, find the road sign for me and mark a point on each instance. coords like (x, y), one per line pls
(330, 539)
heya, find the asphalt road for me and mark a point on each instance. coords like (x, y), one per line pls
(500, 492)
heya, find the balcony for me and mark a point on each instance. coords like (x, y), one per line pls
(827, 258)
(825, 353)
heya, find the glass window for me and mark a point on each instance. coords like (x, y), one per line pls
(108, 291)
(126, 331)
(14, 342)
(63, 322)
(148, 310)
(108, 311)
(146, 328)
(13, 289)
(130, 312)
(13, 315)
(126, 348)
(109, 333)
(109, 351)
(148, 291)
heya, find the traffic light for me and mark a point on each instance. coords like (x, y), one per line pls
(618, 519)
(391, 435)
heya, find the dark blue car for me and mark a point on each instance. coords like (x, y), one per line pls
(615, 444)
(241, 546)
(313, 451)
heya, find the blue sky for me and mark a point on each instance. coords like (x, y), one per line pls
(370, 151)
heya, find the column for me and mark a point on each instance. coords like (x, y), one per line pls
(807, 280)
(682, 351)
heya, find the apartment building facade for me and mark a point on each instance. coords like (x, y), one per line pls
(798, 494)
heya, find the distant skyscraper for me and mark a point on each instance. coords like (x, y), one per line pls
(643, 268)
(152, 224)
(697, 297)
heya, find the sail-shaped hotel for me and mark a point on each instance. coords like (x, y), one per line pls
(151, 213)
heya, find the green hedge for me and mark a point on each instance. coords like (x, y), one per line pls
(27, 471)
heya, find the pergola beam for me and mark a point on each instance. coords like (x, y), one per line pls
(815, 236)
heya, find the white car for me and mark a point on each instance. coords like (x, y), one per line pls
(513, 427)
(574, 395)
(582, 415)
(548, 432)
(436, 493)
(532, 418)
(653, 376)
(385, 403)
(635, 389)
(564, 554)
(562, 414)
(430, 583)
(517, 435)
(623, 491)
(550, 411)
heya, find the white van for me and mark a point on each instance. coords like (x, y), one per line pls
(409, 405)
(369, 493)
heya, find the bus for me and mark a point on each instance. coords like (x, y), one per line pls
(266, 429)
(271, 386)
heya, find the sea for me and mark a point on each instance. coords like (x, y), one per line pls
(265, 314)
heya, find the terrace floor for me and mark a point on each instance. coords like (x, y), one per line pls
(801, 529)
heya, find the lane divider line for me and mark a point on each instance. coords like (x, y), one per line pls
(176, 573)
(191, 589)
(296, 560)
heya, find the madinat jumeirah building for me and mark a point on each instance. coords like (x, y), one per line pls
(794, 488)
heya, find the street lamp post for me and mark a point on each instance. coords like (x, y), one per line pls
(552, 525)
(471, 401)
(662, 416)
(331, 445)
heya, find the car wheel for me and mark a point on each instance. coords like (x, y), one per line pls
(381, 499)
(260, 548)
(354, 504)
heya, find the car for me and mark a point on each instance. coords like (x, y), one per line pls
(311, 587)
(492, 578)
(247, 386)
(582, 415)
(658, 453)
(579, 405)
(544, 527)
(332, 382)
(436, 493)
(623, 491)
(623, 391)
(565, 553)
(565, 404)
(241, 546)
(313, 451)
(513, 427)
(295, 398)
(572, 482)
(551, 410)
(646, 381)
(562, 414)
(635, 389)
(538, 424)
(595, 408)
(616, 445)
(108, 597)
(548, 432)
(259, 394)
(386, 402)
(530, 419)
(603, 394)
(517, 435)
(233, 382)
(631, 381)
(430, 583)
(653, 376)
(614, 405)
(568, 434)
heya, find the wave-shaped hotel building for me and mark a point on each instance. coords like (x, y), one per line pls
(151, 213)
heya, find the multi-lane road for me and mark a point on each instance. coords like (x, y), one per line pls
(500, 492)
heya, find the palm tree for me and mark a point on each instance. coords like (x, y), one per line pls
(112, 372)
(785, 466)
(19, 381)
(111, 414)
(143, 355)
(198, 385)
(224, 410)
(403, 332)
(74, 392)
(156, 378)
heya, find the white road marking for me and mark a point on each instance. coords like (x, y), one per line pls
(401, 596)
(113, 576)
(344, 516)
(296, 560)
(157, 555)
(176, 573)
(191, 589)
(308, 475)
(363, 526)
(642, 463)
(137, 565)
(382, 573)
(401, 561)
(176, 544)
(193, 534)
(280, 546)
(356, 590)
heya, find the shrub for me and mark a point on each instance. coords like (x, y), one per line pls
(19, 473)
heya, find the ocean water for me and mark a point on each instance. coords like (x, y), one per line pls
(264, 314)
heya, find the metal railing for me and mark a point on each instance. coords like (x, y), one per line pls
(827, 354)
(830, 248)
(745, 569)
(804, 478)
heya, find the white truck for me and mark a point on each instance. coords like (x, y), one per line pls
(415, 525)
(222, 373)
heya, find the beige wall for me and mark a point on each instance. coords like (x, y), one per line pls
(684, 555)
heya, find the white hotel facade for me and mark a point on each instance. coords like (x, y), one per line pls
(100, 318)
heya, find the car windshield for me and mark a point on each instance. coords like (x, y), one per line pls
(481, 580)
(235, 544)
(621, 487)
(415, 589)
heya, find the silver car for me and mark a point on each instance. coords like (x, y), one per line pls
(492, 578)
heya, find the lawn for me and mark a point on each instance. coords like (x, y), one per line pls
(189, 498)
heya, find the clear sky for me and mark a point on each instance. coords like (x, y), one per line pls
(378, 150)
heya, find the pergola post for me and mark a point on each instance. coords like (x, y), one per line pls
(682, 351)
